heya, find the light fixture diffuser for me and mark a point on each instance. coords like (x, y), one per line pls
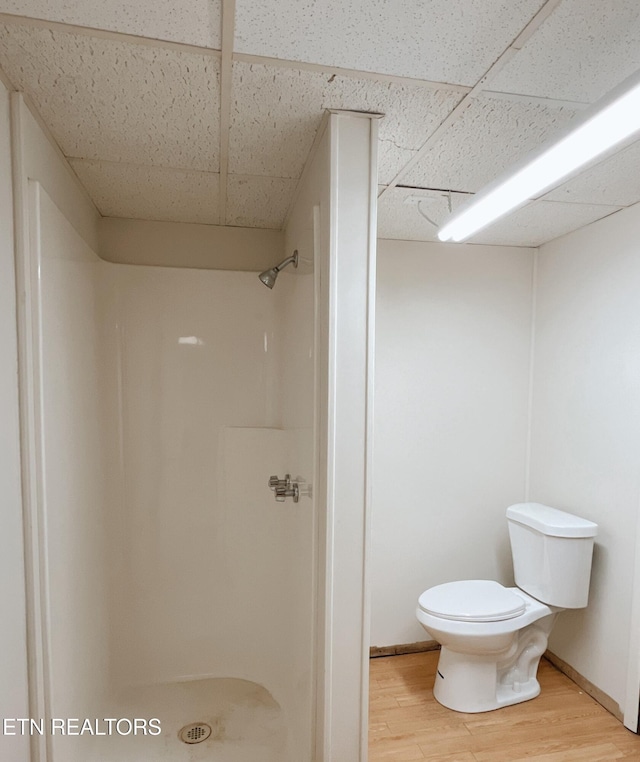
(606, 126)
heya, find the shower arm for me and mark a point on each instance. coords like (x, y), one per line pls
(292, 260)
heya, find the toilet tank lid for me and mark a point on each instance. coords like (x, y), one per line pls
(551, 521)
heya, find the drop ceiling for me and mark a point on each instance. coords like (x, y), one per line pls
(205, 111)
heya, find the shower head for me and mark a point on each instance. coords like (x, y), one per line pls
(268, 277)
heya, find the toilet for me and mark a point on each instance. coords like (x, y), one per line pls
(492, 637)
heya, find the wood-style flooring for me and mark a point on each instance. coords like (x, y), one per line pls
(561, 725)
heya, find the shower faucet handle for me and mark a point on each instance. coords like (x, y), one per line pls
(284, 488)
(276, 483)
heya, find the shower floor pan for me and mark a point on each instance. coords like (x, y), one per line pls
(246, 723)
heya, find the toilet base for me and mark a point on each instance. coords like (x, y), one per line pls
(467, 683)
(484, 682)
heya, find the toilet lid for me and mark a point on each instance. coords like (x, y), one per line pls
(477, 600)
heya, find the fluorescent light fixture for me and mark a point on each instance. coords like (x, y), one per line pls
(607, 126)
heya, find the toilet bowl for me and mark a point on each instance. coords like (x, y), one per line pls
(491, 636)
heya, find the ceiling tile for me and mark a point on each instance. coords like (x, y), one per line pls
(258, 202)
(488, 138)
(614, 181)
(402, 216)
(118, 101)
(276, 112)
(150, 193)
(539, 222)
(583, 49)
(451, 41)
(195, 23)
(403, 213)
(391, 159)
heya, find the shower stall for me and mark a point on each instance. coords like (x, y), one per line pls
(195, 450)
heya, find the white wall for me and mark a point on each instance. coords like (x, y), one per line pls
(585, 454)
(13, 664)
(452, 375)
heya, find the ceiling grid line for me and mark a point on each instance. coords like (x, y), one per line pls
(541, 99)
(226, 83)
(507, 54)
(138, 165)
(107, 34)
(340, 71)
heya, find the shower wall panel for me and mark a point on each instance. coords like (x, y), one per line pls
(76, 492)
(13, 657)
(198, 354)
(295, 322)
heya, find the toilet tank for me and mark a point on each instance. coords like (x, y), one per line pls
(552, 553)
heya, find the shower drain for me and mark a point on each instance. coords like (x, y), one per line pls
(197, 732)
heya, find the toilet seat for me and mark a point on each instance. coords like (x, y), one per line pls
(477, 600)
